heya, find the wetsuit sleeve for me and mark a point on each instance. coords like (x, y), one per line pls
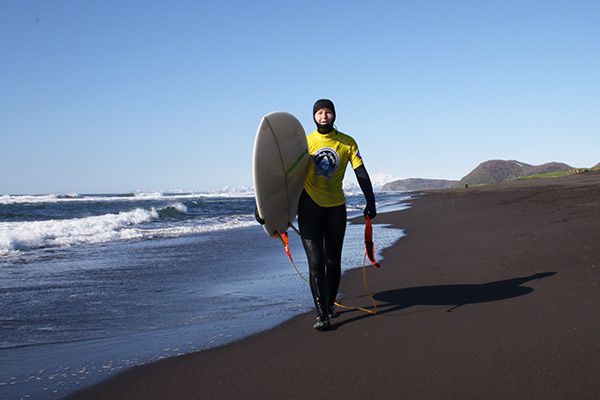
(364, 182)
(355, 157)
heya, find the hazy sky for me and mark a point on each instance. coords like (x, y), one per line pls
(111, 96)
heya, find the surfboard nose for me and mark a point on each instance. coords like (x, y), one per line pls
(279, 166)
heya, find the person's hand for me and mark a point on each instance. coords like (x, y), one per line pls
(258, 218)
(370, 210)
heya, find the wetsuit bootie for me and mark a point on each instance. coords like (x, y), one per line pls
(332, 312)
(322, 323)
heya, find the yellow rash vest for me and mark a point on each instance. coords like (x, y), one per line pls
(330, 153)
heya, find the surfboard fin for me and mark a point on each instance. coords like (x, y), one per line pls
(294, 228)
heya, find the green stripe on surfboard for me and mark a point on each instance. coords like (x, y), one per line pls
(295, 163)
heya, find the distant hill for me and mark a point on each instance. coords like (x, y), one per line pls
(412, 184)
(596, 167)
(495, 171)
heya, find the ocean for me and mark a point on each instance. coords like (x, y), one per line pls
(93, 284)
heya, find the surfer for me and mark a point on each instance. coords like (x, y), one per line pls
(322, 207)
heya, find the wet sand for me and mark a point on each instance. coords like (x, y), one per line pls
(493, 294)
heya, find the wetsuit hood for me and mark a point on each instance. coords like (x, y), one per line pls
(324, 103)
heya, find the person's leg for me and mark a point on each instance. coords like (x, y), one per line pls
(317, 278)
(335, 229)
(310, 222)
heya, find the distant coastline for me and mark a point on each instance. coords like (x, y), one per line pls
(490, 172)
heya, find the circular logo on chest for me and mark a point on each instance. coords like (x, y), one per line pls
(326, 161)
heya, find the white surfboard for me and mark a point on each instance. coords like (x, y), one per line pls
(280, 163)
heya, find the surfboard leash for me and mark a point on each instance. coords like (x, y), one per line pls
(286, 246)
(369, 253)
(369, 245)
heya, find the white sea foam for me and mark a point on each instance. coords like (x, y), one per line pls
(10, 199)
(138, 196)
(179, 207)
(229, 191)
(29, 235)
(209, 225)
(24, 236)
(146, 195)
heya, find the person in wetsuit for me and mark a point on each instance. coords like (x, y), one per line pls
(322, 207)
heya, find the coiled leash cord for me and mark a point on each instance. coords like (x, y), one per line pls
(369, 253)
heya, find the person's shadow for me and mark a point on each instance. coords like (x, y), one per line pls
(453, 296)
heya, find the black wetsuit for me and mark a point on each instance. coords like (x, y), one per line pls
(322, 230)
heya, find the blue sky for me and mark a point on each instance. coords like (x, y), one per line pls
(112, 96)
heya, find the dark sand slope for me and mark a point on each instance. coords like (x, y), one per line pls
(494, 294)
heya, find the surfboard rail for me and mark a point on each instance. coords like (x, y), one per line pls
(279, 167)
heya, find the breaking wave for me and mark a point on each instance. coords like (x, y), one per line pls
(226, 192)
(15, 236)
(136, 224)
(175, 210)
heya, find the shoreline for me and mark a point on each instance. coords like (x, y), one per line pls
(491, 294)
(186, 303)
(58, 369)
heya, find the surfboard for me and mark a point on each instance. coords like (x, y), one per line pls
(279, 168)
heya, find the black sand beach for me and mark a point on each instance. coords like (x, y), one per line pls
(493, 294)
